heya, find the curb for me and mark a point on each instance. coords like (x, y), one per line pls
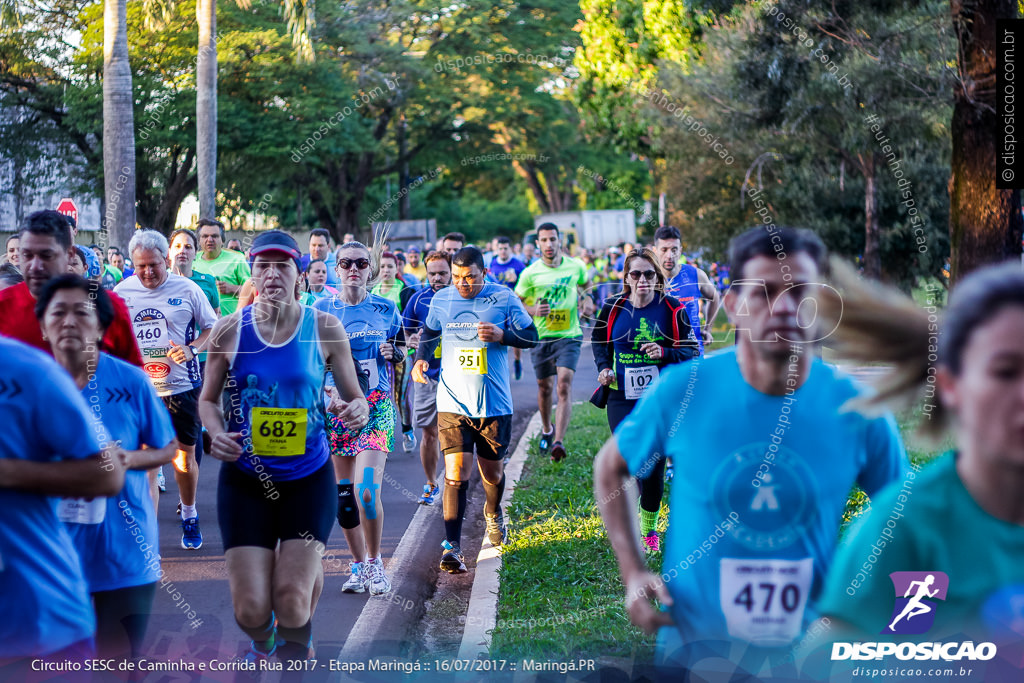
(481, 617)
(374, 634)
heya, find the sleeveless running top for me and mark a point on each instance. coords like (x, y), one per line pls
(274, 395)
(684, 287)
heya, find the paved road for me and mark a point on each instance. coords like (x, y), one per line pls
(197, 580)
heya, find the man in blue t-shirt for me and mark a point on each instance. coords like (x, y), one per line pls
(414, 318)
(49, 447)
(762, 473)
(474, 322)
(505, 269)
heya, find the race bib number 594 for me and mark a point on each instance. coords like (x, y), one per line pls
(763, 600)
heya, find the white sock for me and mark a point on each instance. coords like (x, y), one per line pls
(188, 511)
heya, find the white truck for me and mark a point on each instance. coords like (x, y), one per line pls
(590, 229)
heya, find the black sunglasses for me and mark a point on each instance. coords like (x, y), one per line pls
(360, 263)
(635, 275)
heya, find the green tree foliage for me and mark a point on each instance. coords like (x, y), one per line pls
(794, 100)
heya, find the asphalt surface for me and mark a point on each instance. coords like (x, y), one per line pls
(197, 580)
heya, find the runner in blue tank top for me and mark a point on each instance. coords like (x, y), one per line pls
(687, 283)
(276, 484)
(115, 537)
(374, 328)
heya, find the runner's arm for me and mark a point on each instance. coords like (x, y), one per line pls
(428, 344)
(221, 339)
(616, 503)
(99, 475)
(601, 339)
(708, 293)
(684, 348)
(525, 338)
(148, 458)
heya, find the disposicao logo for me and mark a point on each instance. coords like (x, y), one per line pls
(916, 593)
(913, 613)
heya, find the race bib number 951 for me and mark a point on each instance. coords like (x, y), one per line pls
(763, 600)
(278, 431)
(472, 361)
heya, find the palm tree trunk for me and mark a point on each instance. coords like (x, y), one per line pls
(118, 127)
(206, 107)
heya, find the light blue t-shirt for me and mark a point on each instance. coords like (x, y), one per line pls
(43, 594)
(122, 550)
(760, 486)
(368, 324)
(474, 375)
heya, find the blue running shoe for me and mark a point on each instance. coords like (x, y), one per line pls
(545, 440)
(191, 537)
(430, 493)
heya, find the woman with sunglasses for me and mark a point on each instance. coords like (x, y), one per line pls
(954, 529)
(638, 333)
(374, 327)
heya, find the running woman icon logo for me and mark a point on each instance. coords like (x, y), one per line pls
(916, 593)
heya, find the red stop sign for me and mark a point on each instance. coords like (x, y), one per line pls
(68, 208)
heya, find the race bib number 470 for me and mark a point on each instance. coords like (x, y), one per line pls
(763, 600)
(278, 431)
(472, 361)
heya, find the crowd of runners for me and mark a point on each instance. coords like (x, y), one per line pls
(296, 369)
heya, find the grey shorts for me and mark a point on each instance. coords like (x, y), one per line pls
(556, 352)
(424, 403)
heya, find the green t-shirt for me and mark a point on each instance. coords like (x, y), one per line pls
(926, 523)
(230, 267)
(209, 286)
(558, 286)
(394, 295)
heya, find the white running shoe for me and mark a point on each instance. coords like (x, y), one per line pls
(357, 581)
(377, 581)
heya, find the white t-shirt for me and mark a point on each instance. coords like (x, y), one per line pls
(175, 311)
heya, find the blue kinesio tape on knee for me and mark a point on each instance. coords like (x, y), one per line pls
(368, 485)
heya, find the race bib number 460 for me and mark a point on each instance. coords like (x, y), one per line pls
(151, 333)
(278, 431)
(558, 319)
(472, 361)
(763, 600)
(638, 380)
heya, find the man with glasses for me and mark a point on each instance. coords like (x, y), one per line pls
(550, 289)
(414, 317)
(474, 322)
